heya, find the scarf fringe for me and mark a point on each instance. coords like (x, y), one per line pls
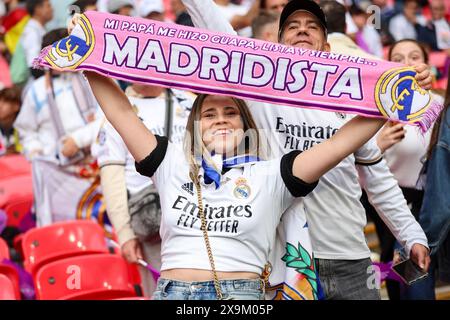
(40, 62)
(430, 116)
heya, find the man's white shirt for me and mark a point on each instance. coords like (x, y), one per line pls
(335, 216)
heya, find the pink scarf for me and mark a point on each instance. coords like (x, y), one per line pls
(169, 55)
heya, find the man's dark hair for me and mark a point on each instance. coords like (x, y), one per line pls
(53, 36)
(83, 4)
(31, 5)
(335, 13)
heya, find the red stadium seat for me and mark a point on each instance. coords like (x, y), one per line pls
(16, 198)
(14, 165)
(4, 250)
(11, 274)
(90, 277)
(7, 291)
(438, 59)
(61, 240)
(18, 244)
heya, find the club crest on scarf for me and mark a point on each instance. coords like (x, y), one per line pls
(71, 51)
(399, 96)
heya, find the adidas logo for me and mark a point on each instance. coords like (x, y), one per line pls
(188, 187)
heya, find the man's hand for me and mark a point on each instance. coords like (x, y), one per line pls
(423, 76)
(132, 251)
(392, 133)
(421, 256)
(69, 147)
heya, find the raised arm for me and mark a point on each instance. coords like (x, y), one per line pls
(240, 22)
(311, 164)
(119, 112)
(206, 15)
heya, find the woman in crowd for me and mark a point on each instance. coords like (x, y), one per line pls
(400, 142)
(240, 211)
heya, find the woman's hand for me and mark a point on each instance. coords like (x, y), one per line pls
(69, 147)
(423, 76)
(391, 134)
(132, 251)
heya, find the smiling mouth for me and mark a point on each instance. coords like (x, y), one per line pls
(222, 132)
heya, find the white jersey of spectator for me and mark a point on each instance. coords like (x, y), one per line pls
(406, 158)
(335, 215)
(251, 197)
(109, 147)
(31, 40)
(400, 28)
(373, 41)
(34, 123)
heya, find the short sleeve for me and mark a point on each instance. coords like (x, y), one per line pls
(110, 147)
(297, 187)
(369, 154)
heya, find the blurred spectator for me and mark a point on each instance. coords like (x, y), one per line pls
(9, 108)
(41, 12)
(14, 23)
(336, 25)
(441, 26)
(58, 114)
(181, 15)
(399, 142)
(435, 211)
(151, 9)
(122, 7)
(367, 37)
(387, 12)
(402, 26)
(239, 16)
(273, 5)
(265, 26)
(61, 14)
(86, 5)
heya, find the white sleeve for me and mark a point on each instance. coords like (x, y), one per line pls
(31, 43)
(369, 153)
(388, 200)
(395, 29)
(206, 15)
(27, 125)
(110, 147)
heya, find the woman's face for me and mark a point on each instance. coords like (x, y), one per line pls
(221, 124)
(408, 53)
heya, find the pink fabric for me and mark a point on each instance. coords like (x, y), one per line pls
(5, 77)
(141, 50)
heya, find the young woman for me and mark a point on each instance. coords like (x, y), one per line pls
(219, 216)
(400, 142)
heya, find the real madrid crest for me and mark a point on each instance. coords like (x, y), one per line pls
(242, 189)
(399, 96)
(71, 51)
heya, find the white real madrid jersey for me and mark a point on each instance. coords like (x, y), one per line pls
(242, 214)
(336, 218)
(111, 149)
